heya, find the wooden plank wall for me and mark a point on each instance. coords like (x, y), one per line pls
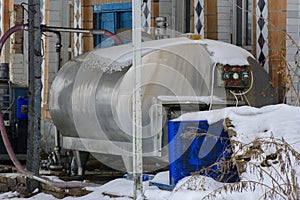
(154, 12)
(277, 45)
(210, 19)
(7, 8)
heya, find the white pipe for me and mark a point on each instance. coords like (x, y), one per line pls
(137, 105)
(244, 12)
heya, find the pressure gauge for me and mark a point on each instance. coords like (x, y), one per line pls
(235, 76)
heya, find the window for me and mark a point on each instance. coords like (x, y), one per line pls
(242, 23)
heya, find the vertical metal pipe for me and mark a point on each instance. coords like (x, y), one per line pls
(137, 106)
(57, 134)
(187, 16)
(173, 17)
(35, 85)
(234, 22)
(244, 12)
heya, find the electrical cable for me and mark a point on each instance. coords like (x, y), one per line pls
(212, 86)
(248, 90)
(246, 99)
(236, 98)
(7, 34)
(42, 48)
(22, 4)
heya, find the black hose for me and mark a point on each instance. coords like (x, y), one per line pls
(12, 30)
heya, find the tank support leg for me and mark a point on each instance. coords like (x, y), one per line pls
(80, 160)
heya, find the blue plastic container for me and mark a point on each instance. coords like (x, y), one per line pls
(145, 177)
(22, 108)
(194, 146)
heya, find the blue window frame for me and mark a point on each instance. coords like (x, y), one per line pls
(111, 17)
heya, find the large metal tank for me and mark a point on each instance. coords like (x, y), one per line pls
(91, 96)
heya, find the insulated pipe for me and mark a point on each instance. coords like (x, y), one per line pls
(137, 133)
(57, 134)
(8, 146)
(80, 30)
(9, 32)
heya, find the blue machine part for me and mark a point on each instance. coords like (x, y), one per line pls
(22, 108)
(145, 177)
(111, 17)
(194, 146)
(162, 186)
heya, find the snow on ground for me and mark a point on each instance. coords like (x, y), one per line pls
(278, 121)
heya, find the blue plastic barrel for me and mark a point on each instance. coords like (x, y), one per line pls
(22, 108)
(194, 146)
